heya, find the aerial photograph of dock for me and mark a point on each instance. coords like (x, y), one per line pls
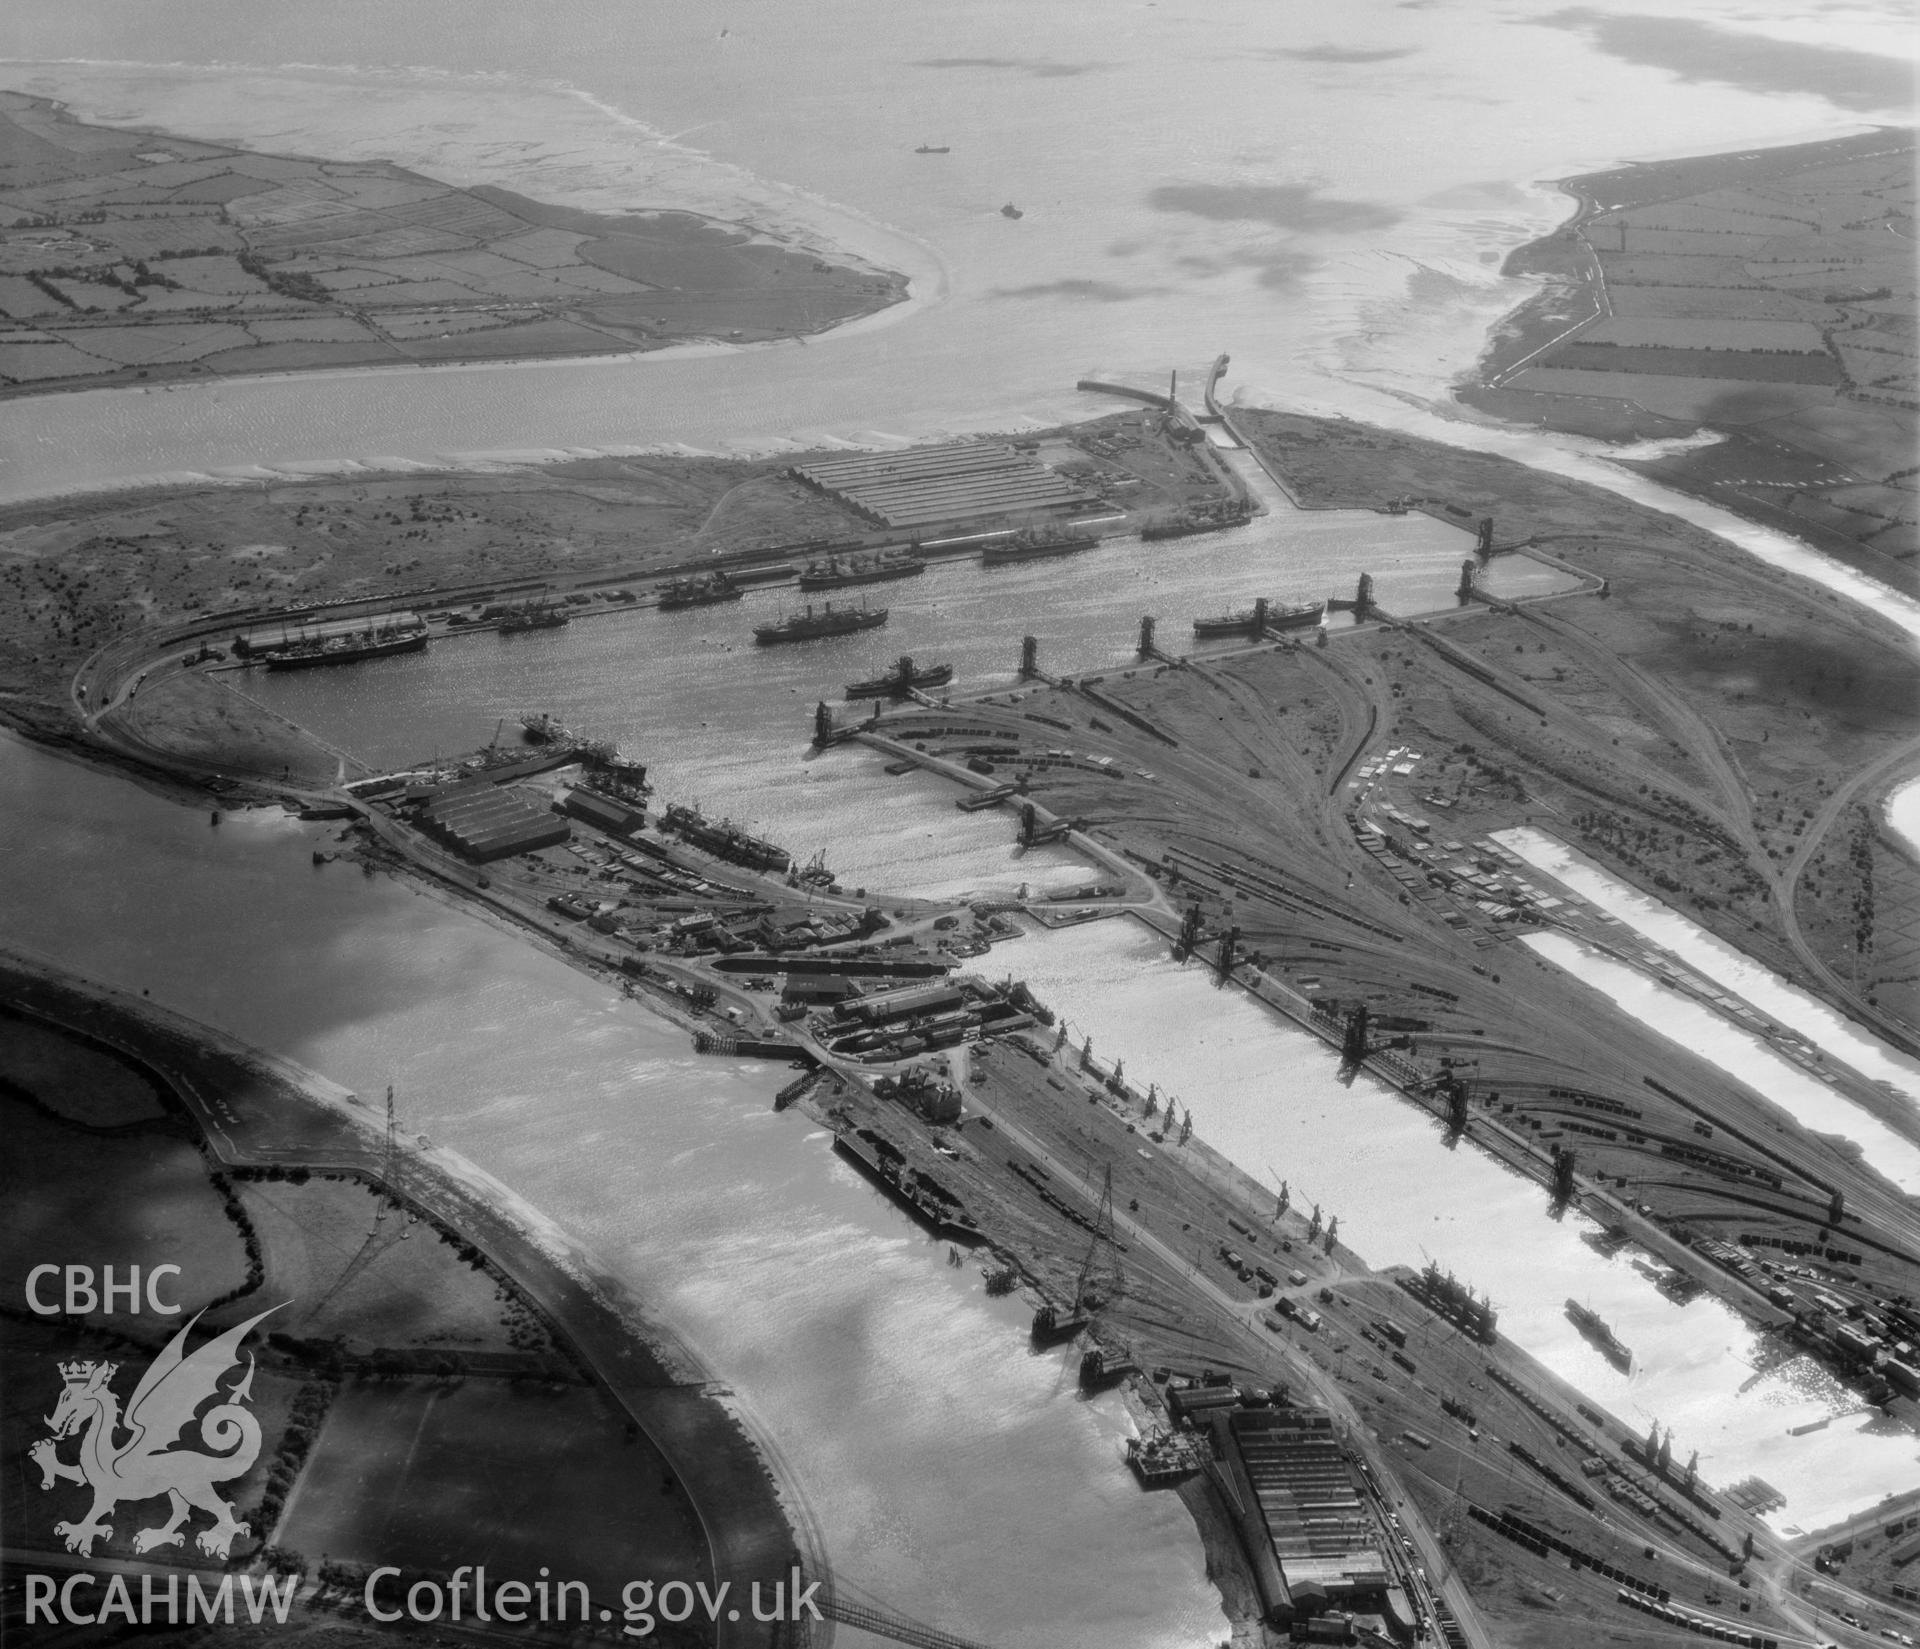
(983, 827)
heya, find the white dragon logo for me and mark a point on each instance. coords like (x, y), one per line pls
(147, 1464)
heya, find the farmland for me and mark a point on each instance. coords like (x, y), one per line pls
(1766, 296)
(125, 256)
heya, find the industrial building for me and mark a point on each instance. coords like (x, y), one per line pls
(483, 822)
(603, 812)
(1311, 1541)
(936, 484)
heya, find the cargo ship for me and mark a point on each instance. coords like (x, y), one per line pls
(835, 574)
(1262, 615)
(811, 625)
(1600, 1336)
(934, 149)
(1036, 546)
(533, 617)
(697, 592)
(923, 1196)
(1186, 526)
(346, 650)
(723, 840)
(903, 675)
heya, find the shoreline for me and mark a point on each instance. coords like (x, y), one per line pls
(636, 1361)
(1572, 298)
(283, 269)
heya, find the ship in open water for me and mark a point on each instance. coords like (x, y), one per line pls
(812, 623)
(1600, 1336)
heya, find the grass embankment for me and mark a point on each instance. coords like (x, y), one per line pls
(200, 724)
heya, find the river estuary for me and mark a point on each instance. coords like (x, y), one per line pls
(1325, 190)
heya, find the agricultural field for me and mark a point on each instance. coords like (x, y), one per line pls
(129, 257)
(166, 1208)
(1770, 297)
(434, 1475)
(353, 1267)
(81, 1083)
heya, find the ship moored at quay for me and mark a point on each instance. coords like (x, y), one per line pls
(1263, 615)
(534, 616)
(1036, 544)
(724, 840)
(347, 649)
(905, 676)
(915, 1190)
(706, 591)
(834, 574)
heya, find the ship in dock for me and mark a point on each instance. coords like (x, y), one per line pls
(1037, 544)
(905, 676)
(705, 591)
(535, 615)
(923, 1196)
(811, 624)
(538, 727)
(1600, 1336)
(1192, 522)
(347, 649)
(835, 574)
(1263, 615)
(724, 840)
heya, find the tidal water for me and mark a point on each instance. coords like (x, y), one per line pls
(1326, 190)
(956, 1476)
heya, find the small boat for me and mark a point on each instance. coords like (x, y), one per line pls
(1011, 211)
